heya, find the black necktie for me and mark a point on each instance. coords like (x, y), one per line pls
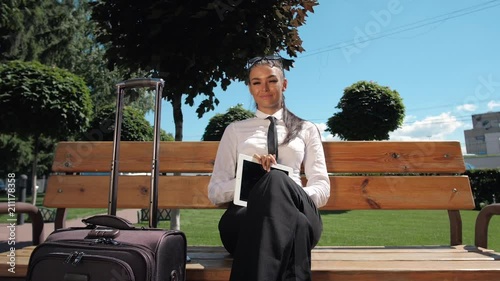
(272, 138)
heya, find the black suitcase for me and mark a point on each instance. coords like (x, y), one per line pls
(111, 248)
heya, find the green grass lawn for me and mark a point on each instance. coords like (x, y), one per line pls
(354, 228)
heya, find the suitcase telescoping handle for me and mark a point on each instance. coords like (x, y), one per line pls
(152, 83)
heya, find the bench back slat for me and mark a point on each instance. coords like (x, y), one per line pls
(347, 192)
(394, 157)
(341, 157)
(364, 175)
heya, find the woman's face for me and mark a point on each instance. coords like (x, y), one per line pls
(267, 85)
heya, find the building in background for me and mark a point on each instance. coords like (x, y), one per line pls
(484, 137)
(482, 142)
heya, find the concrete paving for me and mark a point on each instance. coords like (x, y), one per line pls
(23, 234)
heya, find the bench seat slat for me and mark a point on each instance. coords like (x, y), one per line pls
(373, 256)
(347, 193)
(215, 270)
(348, 263)
(378, 249)
(376, 253)
(417, 265)
(341, 157)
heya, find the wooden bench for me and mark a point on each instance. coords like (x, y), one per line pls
(382, 175)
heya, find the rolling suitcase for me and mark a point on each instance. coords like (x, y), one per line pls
(109, 247)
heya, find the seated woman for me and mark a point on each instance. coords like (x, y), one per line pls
(271, 238)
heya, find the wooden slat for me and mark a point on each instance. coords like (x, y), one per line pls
(92, 192)
(368, 263)
(403, 192)
(394, 156)
(407, 255)
(216, 250)
(135, 156)
(347, 192)
(341, 157)
(210, 274)
(344, 263)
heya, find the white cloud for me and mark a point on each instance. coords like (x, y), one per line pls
(410, 118)
(467, 107)
(325, 136)
(432, 127)
(493, 104)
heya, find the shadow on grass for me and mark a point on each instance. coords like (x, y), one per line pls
(332, 212)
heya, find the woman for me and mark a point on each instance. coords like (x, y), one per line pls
(271, 238)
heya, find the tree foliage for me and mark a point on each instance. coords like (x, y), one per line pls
(37, 29)
(39, 100)
(60, 33)
(485, 185)
(368, 112)
(218, 123)
(196, 46)
(135, 127)
(17, 151)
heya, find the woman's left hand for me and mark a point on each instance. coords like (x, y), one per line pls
(265, 160)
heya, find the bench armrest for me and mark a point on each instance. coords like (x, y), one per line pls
(35, 216)
(482, 223)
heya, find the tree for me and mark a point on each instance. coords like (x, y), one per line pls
(36, 29)
(196, 46)
(37, 100)
(368, 112)
(17, 154)
(15, 29)
(218, 123)
(135, 127)
(17, 151)
(60, 33)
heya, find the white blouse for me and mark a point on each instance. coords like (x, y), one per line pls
(250, 137)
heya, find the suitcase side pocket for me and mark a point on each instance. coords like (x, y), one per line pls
(78, 266)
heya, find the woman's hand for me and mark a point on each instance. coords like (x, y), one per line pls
(265, 160)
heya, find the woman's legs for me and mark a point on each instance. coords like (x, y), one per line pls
(272, 238)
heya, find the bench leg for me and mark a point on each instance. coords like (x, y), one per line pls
(60, 220)
(482, 223)
(455, 227)
(35, 216)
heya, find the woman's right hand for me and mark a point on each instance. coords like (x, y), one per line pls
(265, 160)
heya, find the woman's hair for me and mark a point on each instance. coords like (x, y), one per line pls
(293, 123)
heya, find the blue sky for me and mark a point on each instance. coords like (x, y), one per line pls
(441, 56)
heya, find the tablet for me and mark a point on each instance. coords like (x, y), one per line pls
(248, 173)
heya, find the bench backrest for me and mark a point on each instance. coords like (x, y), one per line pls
(364, 175)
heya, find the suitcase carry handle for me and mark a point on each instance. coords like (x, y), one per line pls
(109, 221)
(157, 84)
(139, 83)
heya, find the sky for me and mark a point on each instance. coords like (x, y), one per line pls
(442, 57)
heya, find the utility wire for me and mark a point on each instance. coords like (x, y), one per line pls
(408, 27)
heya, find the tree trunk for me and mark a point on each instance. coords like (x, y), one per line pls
(178, 117)
(175, 214)
(34, 170)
